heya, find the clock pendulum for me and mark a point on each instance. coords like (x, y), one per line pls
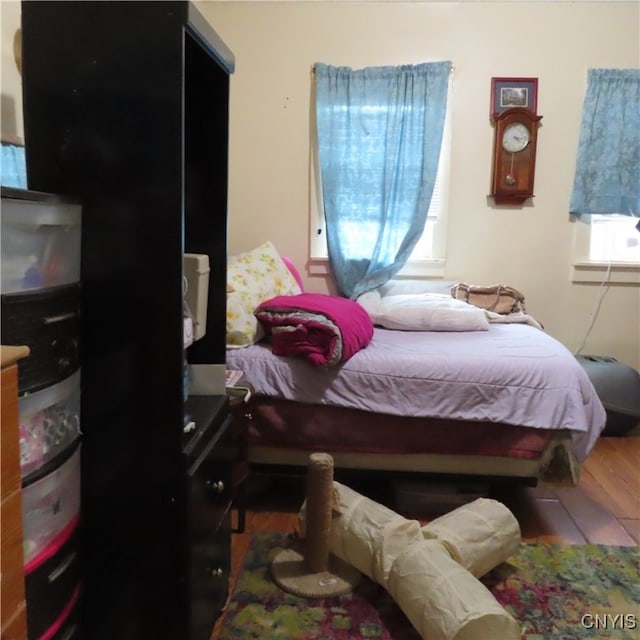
(510, 178)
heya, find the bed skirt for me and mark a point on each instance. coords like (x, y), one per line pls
(283, 432)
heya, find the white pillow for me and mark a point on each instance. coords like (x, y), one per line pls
(404, 287)
(423, 312)
(252, 278)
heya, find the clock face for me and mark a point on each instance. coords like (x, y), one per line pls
(515, 138)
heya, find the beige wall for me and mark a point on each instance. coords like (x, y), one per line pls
(10, 85)
(276, 44)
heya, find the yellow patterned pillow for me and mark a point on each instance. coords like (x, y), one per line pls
(252, 278)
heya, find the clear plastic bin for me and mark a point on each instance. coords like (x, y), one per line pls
(49, 505)
(40, 244)
(49, 422)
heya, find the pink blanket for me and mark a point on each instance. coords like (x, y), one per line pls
(324, 330)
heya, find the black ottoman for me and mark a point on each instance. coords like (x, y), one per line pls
(618, 387)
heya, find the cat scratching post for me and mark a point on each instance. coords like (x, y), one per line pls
(422, 568)
(314, 572)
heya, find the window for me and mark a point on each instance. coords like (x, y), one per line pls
(614, 239)
(13, 166)
(607, 250)
(429, 254)
(428, 257)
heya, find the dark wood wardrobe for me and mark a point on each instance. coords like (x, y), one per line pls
(126, 108)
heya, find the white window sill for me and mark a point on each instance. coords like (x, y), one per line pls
(598, 272)
(318, 266)
(413, 269)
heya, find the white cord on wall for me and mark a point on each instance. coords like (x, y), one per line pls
(602, 292)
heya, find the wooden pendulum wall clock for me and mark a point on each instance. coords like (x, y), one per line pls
(514, 155)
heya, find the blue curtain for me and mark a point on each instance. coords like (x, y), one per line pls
(13, 170)
(379, 137)
(607, 178)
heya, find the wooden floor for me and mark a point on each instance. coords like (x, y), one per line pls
(604, 508)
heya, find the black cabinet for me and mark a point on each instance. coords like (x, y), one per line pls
(210, 456)
(126, 110)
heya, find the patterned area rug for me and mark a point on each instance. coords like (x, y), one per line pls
(557, 592)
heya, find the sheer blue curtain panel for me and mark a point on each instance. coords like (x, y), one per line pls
(607, 178)
(379, 132)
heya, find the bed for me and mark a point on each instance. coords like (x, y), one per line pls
(507, 401)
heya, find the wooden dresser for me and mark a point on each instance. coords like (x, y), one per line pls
(12, 601)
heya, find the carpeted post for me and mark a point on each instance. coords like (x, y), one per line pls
(311, 571)
(319, 485)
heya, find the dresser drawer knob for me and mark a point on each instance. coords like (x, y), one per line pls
(216, 487)
(216, 573)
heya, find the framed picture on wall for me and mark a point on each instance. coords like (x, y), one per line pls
(507, 93)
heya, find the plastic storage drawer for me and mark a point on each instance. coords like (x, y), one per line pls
(50, 587)
(49, 423)
(49, 322)
(50, 506)
(68, 626)
(40, 241)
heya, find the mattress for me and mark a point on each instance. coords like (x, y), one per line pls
(512, 374)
